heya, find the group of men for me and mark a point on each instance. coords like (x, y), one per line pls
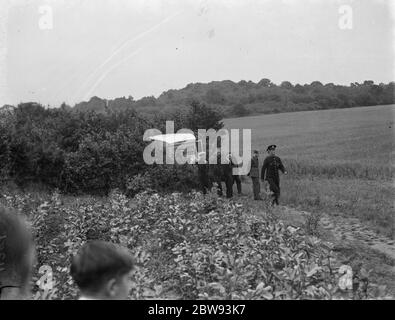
(218, 173)
(223, 172)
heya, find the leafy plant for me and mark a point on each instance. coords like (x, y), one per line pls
(190, 246)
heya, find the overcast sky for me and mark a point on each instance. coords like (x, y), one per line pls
(114, 48)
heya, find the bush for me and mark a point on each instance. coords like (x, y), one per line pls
(102, 162)
(164, 179)
(138, 183)
(90, 152)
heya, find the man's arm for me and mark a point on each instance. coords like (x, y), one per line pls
(263, 171)
(281, 167)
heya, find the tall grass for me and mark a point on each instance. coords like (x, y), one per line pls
(371, 201)
(356, 190)
(347, 170)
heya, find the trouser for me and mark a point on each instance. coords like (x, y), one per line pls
(218, 181)
(204, 184)
(256, 187)
(237, 179)
(275, 188)
(229, 186)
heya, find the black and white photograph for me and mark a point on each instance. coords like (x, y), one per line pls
(195, 155)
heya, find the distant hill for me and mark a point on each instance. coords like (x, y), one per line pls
(236, 99)
(242, 98)
(246, 98)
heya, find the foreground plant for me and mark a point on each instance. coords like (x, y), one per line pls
(193, 247)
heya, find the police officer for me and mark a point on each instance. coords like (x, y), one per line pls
(254, 174)
(271, 165)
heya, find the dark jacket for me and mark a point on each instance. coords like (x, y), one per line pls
(222, 170)
(227, 170)
(234, 163)
(254, 170)
(270, 168)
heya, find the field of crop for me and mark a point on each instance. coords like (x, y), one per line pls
(338, 160)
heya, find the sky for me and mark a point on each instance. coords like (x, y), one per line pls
(70, 50)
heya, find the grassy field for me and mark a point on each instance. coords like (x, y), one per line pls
(339, 161)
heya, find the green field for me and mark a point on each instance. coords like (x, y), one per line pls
(339, 161)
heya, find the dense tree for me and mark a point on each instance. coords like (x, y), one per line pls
(214, 96)
(201, 116)
(286, 85)
(240, 110)
(146, 101)
(299, 89)
(65, 106)
(265, 83)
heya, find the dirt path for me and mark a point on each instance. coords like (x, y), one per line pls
(351, 229)
(355, 244)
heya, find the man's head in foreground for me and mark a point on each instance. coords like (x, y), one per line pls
(102, 270)
(16, 256)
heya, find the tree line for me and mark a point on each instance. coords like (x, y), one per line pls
(248, 98)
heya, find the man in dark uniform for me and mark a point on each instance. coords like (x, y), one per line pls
(254, 174)
(236, 177)
(271, 165)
